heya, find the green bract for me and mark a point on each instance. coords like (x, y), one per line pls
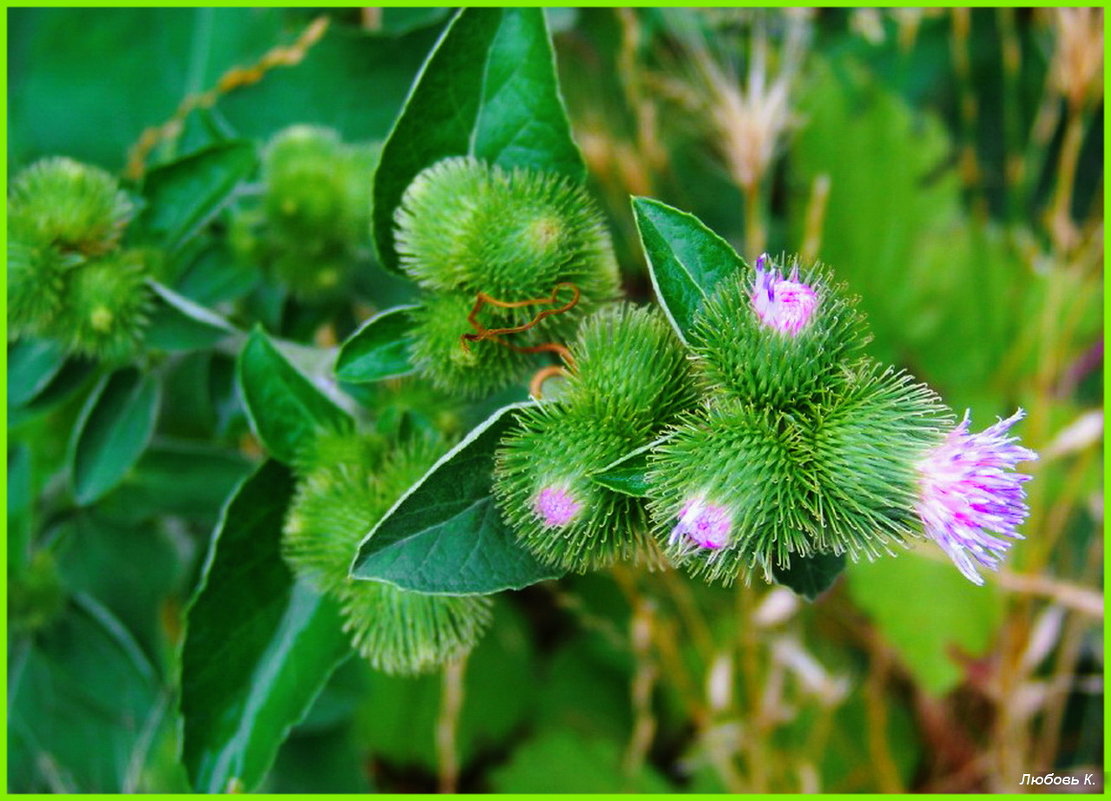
(71, 205)
(316, 208)
(306, 184)
(463, 224)
(347, 483)
(105, 308)
(514, 244)
(405, 632)
(835, 476)
(36, 282)
(545, 462)
(868, 436)
(743, 358)
(439, 352)
(630, 372)
(629, 380)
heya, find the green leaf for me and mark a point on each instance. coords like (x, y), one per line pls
(315, 763)
(399, 21)
(184, 479)
(180, 324)
(20, 508)
(83, 704)
(211, 273)
(347, 60)
(259, 646)
(587, 764)
(810, 576)
(185, 194)
(32, 365)
(629, 474)
(489, 90)
(133, 570)
(113, 431)
(380, 349)
(284, 407)
(73, 377)
(960, 617)
(445, 536)
(686, 259)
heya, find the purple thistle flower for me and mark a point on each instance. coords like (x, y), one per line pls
(785, 304)
(556, 506)
(707, 525)
(967, 488)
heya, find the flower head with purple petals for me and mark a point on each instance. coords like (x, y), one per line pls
(556, 507)
(968, 488)
(785, 304)
(705, 524)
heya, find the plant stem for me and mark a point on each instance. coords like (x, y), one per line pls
(962, 65)
(755, 233)
(1068, 655)
(815, 218)
(692, 616)
(750, 671)
(640, 689)
(1059, 218)
(1013, 164)
(447, 725)
(886, 773)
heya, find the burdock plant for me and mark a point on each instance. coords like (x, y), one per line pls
(802, 448)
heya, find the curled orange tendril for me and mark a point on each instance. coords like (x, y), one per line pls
(496, 334)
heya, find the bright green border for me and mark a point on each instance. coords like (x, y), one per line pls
(118, 4)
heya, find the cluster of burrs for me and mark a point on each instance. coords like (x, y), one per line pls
(509, 261)
(802, 447)
(785, 443)
(69, 279)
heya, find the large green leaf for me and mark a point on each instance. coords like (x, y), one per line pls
(380, 349)
(185, 194)
(810, 576)
(32, 365)
(113, 431)
(285, 409)
(181, 324)
(445, 536)
(83, 706)
(959, 617)
(489, 90)
(685, 259)
(258, 647)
